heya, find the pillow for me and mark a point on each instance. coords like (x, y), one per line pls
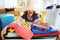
(16, 13)
(2, 10)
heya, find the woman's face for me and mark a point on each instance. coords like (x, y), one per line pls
(30, 13)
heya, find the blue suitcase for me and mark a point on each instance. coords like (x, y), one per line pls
(40, 31)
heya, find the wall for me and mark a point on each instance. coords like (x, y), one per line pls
(57, 22)
(8, 3)
(58, 2)
(1, 3)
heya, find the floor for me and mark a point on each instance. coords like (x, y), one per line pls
(45, 38)
(32, 39)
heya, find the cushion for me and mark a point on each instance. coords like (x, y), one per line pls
(16, 13)
(2, 10)
(6, 19)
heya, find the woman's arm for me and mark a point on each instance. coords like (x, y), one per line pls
(2, 35)
(3, 32)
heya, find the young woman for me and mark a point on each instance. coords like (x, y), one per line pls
(30, 16)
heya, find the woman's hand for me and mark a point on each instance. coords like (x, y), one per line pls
(21, 19)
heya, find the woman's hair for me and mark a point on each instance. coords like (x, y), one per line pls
(34, 13)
